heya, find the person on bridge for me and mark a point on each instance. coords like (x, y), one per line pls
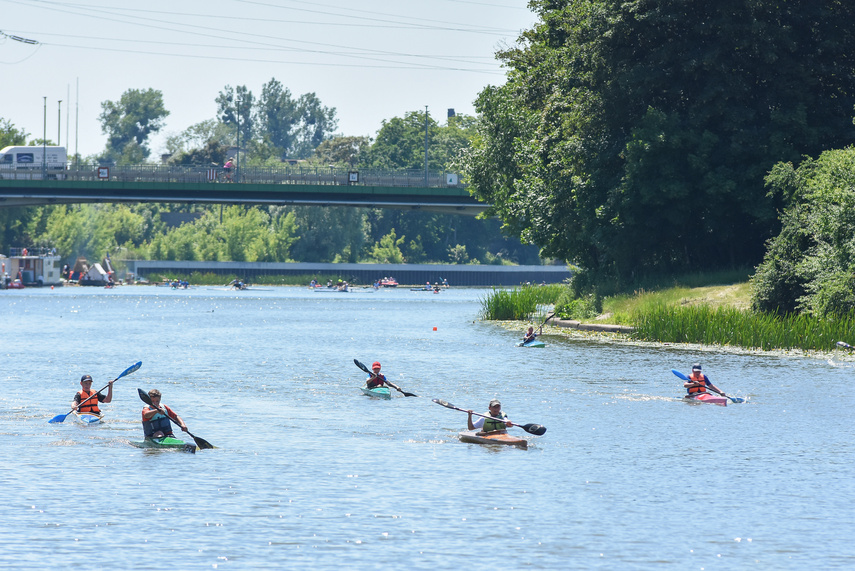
(227, 168)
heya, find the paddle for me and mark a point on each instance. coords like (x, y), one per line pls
(536, 429)
(685, 378)
(845, 345)
(61, 417)
(200, 442)
(394, 386)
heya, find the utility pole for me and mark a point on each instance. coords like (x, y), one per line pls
(44, 139)
(58, 121)
(237, 157)
(426, 146)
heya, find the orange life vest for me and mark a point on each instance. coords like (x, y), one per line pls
(698, 378)
(90, 405)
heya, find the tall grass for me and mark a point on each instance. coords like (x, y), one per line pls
(730, 326)
(518, 303)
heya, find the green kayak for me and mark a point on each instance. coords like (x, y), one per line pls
(377, 393)
(166, 443)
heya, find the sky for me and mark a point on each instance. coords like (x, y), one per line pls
(370, 59)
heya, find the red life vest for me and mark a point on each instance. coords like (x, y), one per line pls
(377, 382)
(90, 405)
(697, 377)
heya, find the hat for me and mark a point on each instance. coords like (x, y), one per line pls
(85, 378)
(375, 365)
(696, 367)
(495, 402)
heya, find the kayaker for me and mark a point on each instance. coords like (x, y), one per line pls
(376, 380)
(488, 425)
(81, 404)
(156, 423)
(698, 383)
(531, 335)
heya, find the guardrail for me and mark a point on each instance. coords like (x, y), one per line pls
(247, 175)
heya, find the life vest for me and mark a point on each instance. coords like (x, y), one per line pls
(698, 378)
(490, 425)
(158, 423)
(91, 405)
(378, 382)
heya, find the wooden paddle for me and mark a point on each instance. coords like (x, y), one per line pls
(200, 442)
(536, 429)
(391, 384)
(61, 417)
(685, 378)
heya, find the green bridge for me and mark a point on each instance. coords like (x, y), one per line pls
(292, 185)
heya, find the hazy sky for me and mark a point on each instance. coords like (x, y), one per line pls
(370, 59)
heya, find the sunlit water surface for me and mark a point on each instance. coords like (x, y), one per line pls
(310, 474)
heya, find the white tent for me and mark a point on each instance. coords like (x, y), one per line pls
(95, 276)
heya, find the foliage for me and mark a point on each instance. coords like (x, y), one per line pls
(129, 121)
(388, 249)
(11, 135)
(730, 326)
(809, 266)
(633, 137)
(343, 151)
(518, 303)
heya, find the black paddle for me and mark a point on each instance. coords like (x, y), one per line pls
(845, 345)
(128, 371)
(536, 429)
(200, 442)
(685, 378)
(394, 386)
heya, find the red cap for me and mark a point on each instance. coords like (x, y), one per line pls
(375, 365)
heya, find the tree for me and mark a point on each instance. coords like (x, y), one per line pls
(316, 124)
(11, 135)
(388, 249)
(342, 150)
(235, 108)
(810, 266)
(633, 137)
(129, 122)
(278, 114)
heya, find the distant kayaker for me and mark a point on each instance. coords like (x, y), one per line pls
(698, 383)
(155, 420)
(488, 425)
(531, 335)
(376, 380)
(81, 404)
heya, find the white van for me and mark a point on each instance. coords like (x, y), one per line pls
(27, 162)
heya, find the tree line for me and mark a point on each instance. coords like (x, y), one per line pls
(272, 127)
(634, 139)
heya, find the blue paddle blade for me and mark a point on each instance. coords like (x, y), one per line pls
(679, 374)
(130, 369)
(737, 399)
(57, 418)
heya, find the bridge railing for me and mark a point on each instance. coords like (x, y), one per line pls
(290, 174)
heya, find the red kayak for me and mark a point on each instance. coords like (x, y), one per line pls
(706, 398)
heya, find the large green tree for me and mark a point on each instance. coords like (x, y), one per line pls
(130, 121)
(633, 136)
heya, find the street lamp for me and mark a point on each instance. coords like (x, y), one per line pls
(426, 146)
(237, 157)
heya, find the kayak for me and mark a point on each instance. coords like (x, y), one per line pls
(706, 398)
(537, 344)
(166, 443)
(87, 418)
(378, 393)
(471, 436)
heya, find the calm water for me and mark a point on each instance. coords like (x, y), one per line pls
(310, 474)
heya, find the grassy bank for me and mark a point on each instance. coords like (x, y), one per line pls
(707, 314)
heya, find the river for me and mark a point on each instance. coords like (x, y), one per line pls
(310, 474)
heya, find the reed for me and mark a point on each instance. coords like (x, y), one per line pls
(725, 325)
(519, 303)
